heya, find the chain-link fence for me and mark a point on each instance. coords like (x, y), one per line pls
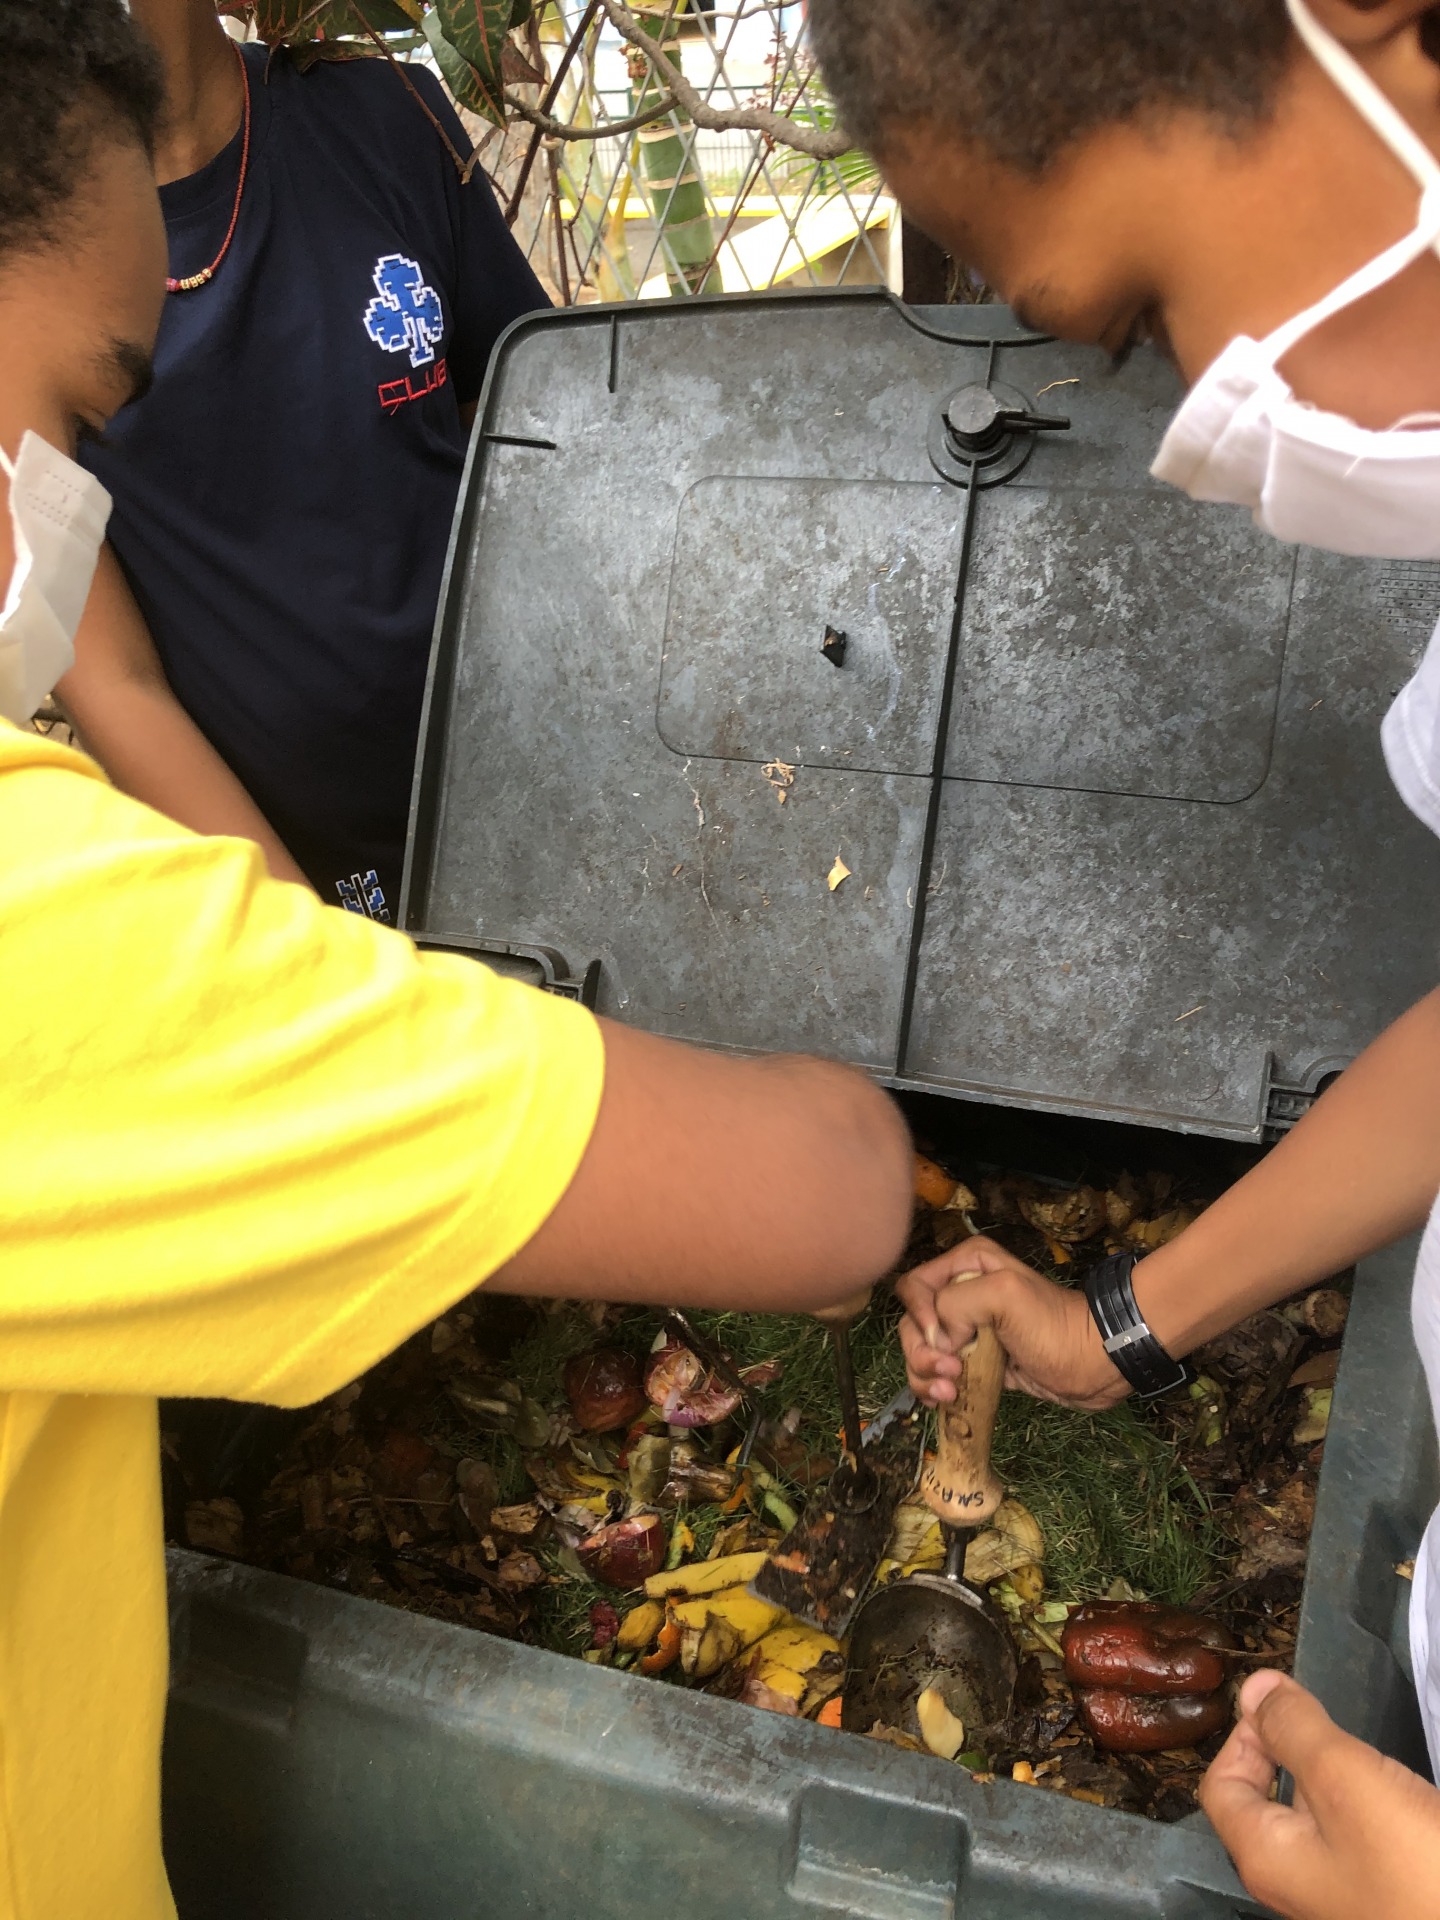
(663, 208)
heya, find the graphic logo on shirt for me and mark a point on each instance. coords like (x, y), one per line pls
(405, 314)
(395, 394)
(362, 893)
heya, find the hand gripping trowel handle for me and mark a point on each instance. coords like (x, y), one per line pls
(959, 1484)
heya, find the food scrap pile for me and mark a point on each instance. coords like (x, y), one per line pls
(577, 1476)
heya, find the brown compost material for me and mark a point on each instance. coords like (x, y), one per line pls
(441, 1484)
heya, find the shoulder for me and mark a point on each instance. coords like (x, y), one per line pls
(388, 105)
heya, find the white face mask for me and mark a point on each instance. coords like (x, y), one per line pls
(1243, 438)
(58, 515)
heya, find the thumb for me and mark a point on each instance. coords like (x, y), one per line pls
(1299, 1735)
(1291, 1724)
(919, 1289)
(974, 1299)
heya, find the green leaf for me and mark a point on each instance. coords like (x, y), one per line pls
(458, 73)
(294, 22)
(477, 29)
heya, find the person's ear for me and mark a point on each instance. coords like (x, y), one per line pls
(1361, 24)
(1398, 44)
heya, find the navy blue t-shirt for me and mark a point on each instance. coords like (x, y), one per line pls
(283, 495)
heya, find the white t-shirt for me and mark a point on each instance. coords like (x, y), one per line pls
(1411, 737)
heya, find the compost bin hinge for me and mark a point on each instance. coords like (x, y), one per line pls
(543, 967)
(1286, 1104)
(1283, 1107)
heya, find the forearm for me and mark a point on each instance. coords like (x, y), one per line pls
(758, 1185)
(152, 750)
(129, 719)
(1360, 1170)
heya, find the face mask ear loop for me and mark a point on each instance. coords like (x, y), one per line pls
(1366, 98)
(1376, 274)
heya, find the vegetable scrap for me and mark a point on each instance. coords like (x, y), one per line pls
(1148, 1678)
(779, 776)
(574, 1475)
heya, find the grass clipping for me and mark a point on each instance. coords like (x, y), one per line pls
(1111, 1497)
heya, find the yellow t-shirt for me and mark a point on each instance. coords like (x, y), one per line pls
(248, 1144)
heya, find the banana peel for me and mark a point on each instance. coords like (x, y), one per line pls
(704, 1576)
(799, 1648)
(640, 1626)
(942, 1733)
(1014, 1541)
(794, 1669)
(917, 1545)
(717, 1627)
(915, 1539)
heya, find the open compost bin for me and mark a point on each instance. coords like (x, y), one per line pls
(813, 674)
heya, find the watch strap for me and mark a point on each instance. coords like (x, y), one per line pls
(1139, 1356)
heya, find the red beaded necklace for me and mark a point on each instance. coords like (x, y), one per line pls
(194, 280)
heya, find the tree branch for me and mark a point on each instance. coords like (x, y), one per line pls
(565, 130)
(551, 95)
(821, 143)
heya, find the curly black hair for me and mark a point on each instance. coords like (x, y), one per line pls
(1026, 79)
(72, 72)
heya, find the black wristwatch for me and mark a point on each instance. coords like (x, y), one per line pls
(1110, 1291)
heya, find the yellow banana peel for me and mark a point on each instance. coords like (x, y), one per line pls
(942, 1733)
(781, 1680)
(640, 1626)
(1015, 1540)
(917, 1545)
(1028, 1583)
(801, 1649)
(705, 1576)
(915, 1537)
(718, 1626)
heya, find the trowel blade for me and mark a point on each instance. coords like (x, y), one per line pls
(822, 1569)
(924, 1632)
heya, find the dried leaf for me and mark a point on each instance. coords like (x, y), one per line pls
(780, 776)
(1066, 1217)
(1318, 1371)
(838, 874)
(518, 1521)
(519, 1571)
(215, 1526)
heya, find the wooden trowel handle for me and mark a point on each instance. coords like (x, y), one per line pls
(959, 1484)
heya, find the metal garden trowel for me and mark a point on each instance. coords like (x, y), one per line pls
(936, 1630)
(820, 1571)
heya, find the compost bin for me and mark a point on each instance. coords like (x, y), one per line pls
(816, 674)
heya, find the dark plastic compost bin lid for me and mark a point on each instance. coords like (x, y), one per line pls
(1104, 766)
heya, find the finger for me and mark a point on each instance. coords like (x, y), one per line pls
(918, 1299)
(1242, 1763)
(978, 1254)
(922, 1357)
(1299, 1735)
(1278, 1853)
(923, 1368)
(972, 1301)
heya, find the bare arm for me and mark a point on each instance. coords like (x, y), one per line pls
(1361, 1169)
(775, 1185)
(121, 703)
